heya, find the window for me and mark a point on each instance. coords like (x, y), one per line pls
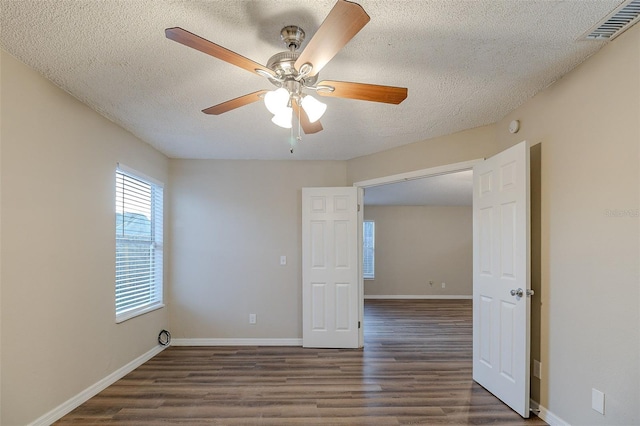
(369, 249)
(139, 259)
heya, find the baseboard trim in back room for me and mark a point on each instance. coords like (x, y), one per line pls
(417, 296)
(74, 402)
(236, 342)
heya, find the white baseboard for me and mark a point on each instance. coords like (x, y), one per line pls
(236, 342)
(73, 403)
(417, 296)
(547, 415)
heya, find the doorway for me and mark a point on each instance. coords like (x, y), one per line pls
(391, 182)
(500, 277)
(423, 246)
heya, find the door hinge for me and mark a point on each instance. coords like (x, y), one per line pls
(358, 207)
(358, 324)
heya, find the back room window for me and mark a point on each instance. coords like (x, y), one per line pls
(369, 248)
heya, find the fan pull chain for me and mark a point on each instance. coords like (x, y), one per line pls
(292, 141)
(299, 138)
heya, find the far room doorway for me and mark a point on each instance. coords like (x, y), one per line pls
(418, 272)
(422, 245)
(420, 268)
(423, 230)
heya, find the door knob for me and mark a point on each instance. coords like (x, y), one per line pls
(520, 292)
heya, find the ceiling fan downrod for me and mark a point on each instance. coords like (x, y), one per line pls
(292, 36)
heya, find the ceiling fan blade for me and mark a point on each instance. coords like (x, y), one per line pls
(363, 92)
(307, 126)
(235, 103)
(341, 25)
(196, 42)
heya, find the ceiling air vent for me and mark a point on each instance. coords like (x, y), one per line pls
(617, 22)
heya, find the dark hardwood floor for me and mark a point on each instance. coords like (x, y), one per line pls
(415, 369)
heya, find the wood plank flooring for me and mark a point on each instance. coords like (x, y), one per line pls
(415, 369)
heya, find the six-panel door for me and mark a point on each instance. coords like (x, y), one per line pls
(501, 267)
(330, 267)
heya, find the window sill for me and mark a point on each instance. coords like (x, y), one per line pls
(137, 312)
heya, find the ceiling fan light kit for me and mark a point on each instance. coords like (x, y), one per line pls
(276, 100)
(313, 107)
(284, 118)
(291, 89)
(294, 72)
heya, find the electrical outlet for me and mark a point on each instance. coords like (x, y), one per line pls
(444, 285)
(253, 319)
(283, 260)
(537, 368)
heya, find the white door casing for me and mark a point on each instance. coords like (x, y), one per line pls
(501, 264)
(360, 207)
(330, 268)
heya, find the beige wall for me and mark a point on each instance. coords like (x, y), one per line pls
(418, 244)
(58, 251)
(462, 146)
(588, 127)
(232, 220)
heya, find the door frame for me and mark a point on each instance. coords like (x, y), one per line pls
(396, 178)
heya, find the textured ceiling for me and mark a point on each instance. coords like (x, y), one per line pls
(465, 63)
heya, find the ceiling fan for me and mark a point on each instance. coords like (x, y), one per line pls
(294, 73)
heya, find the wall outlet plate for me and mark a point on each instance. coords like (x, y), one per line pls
(253, 318)
(537, 368)
(597, 400)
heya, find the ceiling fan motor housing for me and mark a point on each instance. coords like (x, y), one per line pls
(283, 65)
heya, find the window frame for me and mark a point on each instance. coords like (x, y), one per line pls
(156, 262)
(372, 275)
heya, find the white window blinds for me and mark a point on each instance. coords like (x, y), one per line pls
(369, 248)
(139, 258)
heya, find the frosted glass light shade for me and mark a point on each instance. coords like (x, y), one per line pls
(284, 117)
(313, 107)
(276, 100)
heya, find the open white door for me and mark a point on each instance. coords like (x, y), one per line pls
(501, 276)
(330, 269)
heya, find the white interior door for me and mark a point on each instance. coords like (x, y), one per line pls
(330, 268)
(501, 276)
